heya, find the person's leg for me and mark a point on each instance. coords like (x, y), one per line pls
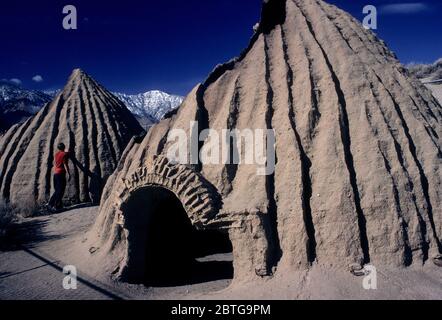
(54, 197)
(60, 191)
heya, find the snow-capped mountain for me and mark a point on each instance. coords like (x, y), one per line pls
(17, 104)
(150, 107)
(17, 98)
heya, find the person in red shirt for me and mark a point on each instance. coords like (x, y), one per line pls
(61, 168)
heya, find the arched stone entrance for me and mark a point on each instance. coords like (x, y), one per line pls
(165, 211)
(200, 199)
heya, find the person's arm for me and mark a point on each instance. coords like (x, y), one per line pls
(66, 166)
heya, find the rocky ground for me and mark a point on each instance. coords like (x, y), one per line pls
(32, 269)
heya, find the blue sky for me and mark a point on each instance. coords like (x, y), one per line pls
(136, 45)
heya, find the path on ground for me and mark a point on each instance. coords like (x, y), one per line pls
(33, 268)
(28, 273)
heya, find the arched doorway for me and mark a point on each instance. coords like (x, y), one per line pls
(165, 249)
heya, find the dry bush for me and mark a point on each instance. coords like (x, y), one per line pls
(27, 207)
(7, 218)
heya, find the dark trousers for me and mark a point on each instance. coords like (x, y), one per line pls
(56, 200)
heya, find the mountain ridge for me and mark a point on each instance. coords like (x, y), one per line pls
(151, 106)
(17, 104)
(427, 72)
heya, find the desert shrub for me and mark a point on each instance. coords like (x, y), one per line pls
(7, 218)
(27, 207)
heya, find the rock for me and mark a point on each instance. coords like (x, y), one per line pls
(356, 269)
(438, 260)
(91, 122)
(358, 153)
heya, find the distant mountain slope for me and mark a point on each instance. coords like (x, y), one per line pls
(430, 75)
(3, 126)
(17, 104)
(150, 107)
(426, 71)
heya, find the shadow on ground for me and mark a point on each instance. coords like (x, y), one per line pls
(26, 233)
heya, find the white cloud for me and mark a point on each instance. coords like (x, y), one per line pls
(37, 78)
(404, 8)
(15, 81)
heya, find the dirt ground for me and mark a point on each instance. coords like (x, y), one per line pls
(32, 269)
